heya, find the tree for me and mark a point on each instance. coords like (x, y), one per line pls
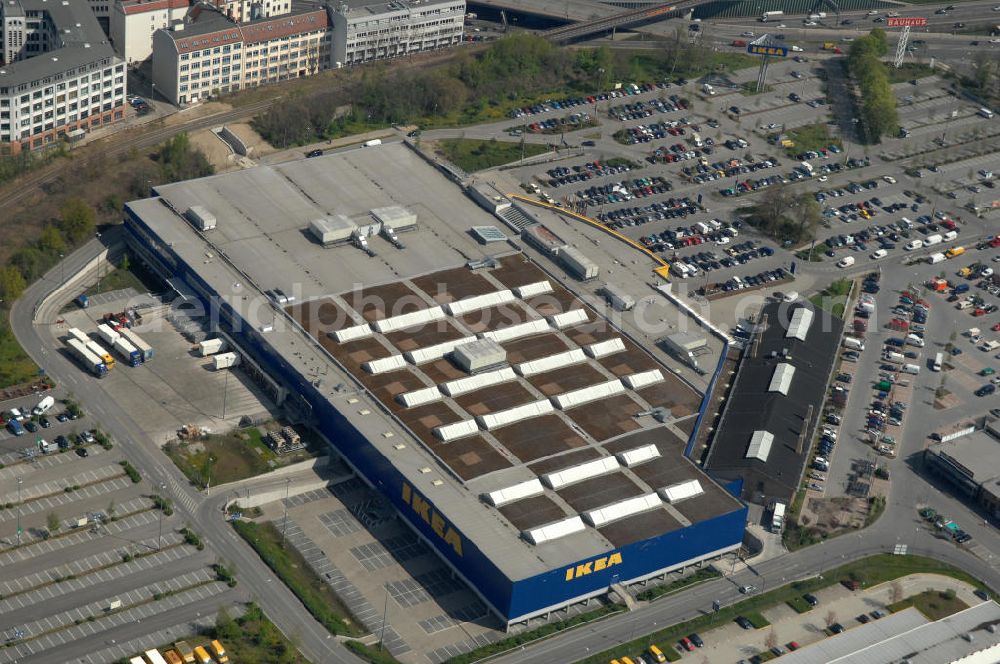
(11, 283)
(51, 240)
(125, 263)
(78, 220)
(771, 640)
(110, 509)
(895, 592)
(830, 618)
(52, 522)
(226, 628)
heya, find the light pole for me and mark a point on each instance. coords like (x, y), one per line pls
(385, 615)
(62, 264)
(19, 511)
(163, 506)
(284, 521)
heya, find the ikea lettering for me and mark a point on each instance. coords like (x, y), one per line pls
(591, 566)
(760, 49)
(426, 511)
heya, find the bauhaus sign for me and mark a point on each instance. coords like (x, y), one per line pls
(902, 21)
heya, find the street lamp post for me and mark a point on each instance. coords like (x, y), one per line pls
(284, 521)
(159, 537)
(19, 511)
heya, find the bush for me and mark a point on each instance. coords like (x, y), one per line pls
(371, 653)
(192, 538)
(130, 470)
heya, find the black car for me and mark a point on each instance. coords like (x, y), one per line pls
(743, 622)
(45, 422)
(62, 417)
(734, 110)
(836, 628)
(82, 452)
(314, 153)
(62, 442)
(863, 619)
(981, 594)
(696, 640)
(31, 426)
(588, 144)
(810, 599)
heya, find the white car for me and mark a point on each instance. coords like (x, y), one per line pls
(823, 178)
(986, 272)
(889, 179)
(873, 13)
(810, 23)
(879, 253)
(796, 49)
(995, 41)
(747, 34)
(722, 241)
(846, 261)
(997, 8)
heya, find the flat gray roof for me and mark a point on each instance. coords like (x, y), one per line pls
(977, 453)
(371, 8)
(262, 242)
(908, 636)
(84, 42)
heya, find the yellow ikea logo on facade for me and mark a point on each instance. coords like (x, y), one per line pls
(426, 511)
(591, 566)
(768, 50)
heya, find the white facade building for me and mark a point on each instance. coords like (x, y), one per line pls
(366, 30)
(133, 22)
(59, 74)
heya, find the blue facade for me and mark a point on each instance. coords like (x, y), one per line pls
(510, 598)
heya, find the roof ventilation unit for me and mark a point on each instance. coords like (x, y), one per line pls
(584, 395)
(479, 302)
(551, 362)
(479, 355)
(502, 418)
(623, 508)
(520, 491)
(396, 217)
(760, 445)
(531, 290)
(202, 219)
(605, 348)
(450, 432)
(798, 327)
(643, 379)
(384, 365)
(568, 318)
(352, 333)
(781, 379)
(537, 326)
(567, 526)
(678, 492)
(584, 471)
(412, 319)
(435, 352)
(454, 388)
(638, 455)
(419, 397)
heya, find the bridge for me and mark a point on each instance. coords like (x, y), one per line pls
(624, 19)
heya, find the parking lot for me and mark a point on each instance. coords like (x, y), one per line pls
(86, 553)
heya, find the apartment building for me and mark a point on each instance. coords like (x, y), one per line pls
(365, 30)
(212, 54)
(133, 22)
(243, 11)
(59, 75)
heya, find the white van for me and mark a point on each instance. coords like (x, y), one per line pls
(938, 361)
(846, 261)
(914, 340)
(950, 235)
(43, 406)
(679, 270)
(985, 113)
(933, 239)
(913, 245)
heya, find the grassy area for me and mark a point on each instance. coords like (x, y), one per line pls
(127, 275)
(910, 71)
(757, 619)
(471, 154)
(814, 256)
(531, 635)
(833, 298)
(749, 89)
(622, 161)
(286, 562)
(702, 575)
(869, 572)
(371, 654)
(799, 604)
(934, 604)
(15, 366)
(811, 138)
(228, 457)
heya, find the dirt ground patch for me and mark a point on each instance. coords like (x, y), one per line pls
(831, 514)
(217, 152)
(257, 145)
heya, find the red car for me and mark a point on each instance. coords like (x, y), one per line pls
(979, 312)
(793, 645)
(686, 644)
(996, 328)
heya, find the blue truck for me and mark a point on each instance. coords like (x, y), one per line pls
(15, 427)
(130, 353)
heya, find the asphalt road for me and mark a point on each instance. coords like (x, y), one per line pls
(204, 514)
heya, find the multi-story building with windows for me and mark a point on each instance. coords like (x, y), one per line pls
(366, 30)
(59, 75)
(133, 22)
(213, 54)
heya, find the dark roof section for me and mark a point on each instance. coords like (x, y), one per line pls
(751, 407)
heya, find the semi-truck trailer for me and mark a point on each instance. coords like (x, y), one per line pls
(98, 350)
(76, 333)
(131, 354)
(107, 333)
(777, 516)
(770, 16)
(89, 360)
(136, 340)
